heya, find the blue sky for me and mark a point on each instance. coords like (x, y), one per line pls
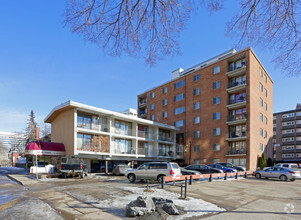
(42, 64)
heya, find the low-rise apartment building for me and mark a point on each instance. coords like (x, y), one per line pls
(98, 135)
(287, 136)
(223, 108)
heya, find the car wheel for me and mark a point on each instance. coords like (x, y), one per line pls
(283, 178)
(131, 177)
(160, 178)
(257, 175)
(82, 175)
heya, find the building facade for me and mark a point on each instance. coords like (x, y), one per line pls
(286, 145)
(98, 135)
(223, 108)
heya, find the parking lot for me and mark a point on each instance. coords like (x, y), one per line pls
(98, 195)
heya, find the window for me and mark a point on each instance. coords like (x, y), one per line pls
(274, 117)
(274, 132)
(298, 113)
(289, 123)
(238, 98)
(164, 102)
(289, 131)
(152, 95)
(265, 78)
(196, 120)
(180, 84)
(261, 132)
(287, 155)
(216, 69)
(265, 134)
(261, 117)
(216, 161)
(298, 130)
(291, 147)
(164, 90)
(196, 161)
(216, 85)
(216, 147)
(260, 72)
(265, 120)
(216, 115)
(298, 138)
(265, 106)
(84, 121)
(196, 91)
(238, 114)
(237, 64)
(152, 117)
(260, 87)
(164, 114)
(216, 131)
(289, 115)
(196, 77)
(196, 134)
(288, 139)
(261, 147)
(180, 110)
(216, 100)
(298, 122)
(196, 148)
(179, 97)
(180, 123)
(237, 131)
(261, 102)
(152, 106)
(265, 92)
(196, 105)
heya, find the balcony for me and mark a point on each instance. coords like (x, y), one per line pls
(164, 138)
(288, 135)
(146, 153)
(144, 134)
(286, 151)
(239, 152)
(127, 132)
(238, 103)
(121, 150)
(236, 71)
(236, 137)
(298, 125)
(142, 103)
(163, 153)
(288, 119)
(236, 86)
(94, 127)
(97, 148)
(235, 120)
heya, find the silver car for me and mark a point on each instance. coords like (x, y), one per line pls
(281, 173)
(153, 171)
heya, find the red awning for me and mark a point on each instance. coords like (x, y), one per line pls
(45, 149)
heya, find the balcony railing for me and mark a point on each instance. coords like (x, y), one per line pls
(164, 138)
(163, 153)
(128, 132)
(94, 148)
(234, 84)
(240, 100)
(237, 152)
(237, 117)
(235, 135)
(145, 134)
(100, 127)
(143, 102)
(232, 68)
(144, 151)
(121, 150)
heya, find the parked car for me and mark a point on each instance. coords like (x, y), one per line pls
(281, 173)
(287, 165)
(188, 172)
(203, 168)
(73, 167)
(121, 169)
(225, 169)
(153, 171)
(230, 165)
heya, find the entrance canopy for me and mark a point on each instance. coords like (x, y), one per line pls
(45, 149)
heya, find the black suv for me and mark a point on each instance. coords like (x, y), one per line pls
(203, 168)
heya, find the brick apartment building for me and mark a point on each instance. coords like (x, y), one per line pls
(223, 108)
(287, 136)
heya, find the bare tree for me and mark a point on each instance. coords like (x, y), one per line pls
(46, 130)
(151, 28)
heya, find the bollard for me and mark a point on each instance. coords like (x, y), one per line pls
(163, 182)
(181, 191)
(245, 174)
(236, 175)
(190, 180)
(185, 193)
(225, 178)
(210, 178)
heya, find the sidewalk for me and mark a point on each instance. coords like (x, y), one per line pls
(22, 179)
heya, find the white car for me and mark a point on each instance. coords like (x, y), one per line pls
(153, 171)
(293, 166)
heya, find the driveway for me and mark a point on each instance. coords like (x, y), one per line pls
(250, 198)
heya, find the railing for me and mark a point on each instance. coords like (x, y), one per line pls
(143, 102)
(164, 138)
(128, 132)
(144, 134)
(94, 148)
(100, 127)
(166, 154)
(234, 135)
(234, 84)
(119, 150)
(236, 152)
(232, 68)
(236, 117)
(143, 151)
(241, 99)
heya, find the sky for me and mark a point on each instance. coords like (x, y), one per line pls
(43, 64)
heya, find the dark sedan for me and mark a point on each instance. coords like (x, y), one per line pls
(188, 172)
(230, 165)
(203, 168)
